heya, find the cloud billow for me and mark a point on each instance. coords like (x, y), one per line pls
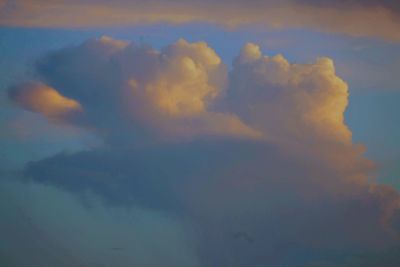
(124, 87)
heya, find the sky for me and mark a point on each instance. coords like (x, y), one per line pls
(187, 134)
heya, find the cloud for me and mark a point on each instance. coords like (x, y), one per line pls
(289, 101)
(298, 106)
(40, 98)
(356, 18)
(261, 168)
(181, 91)
(132, 94)
(290, 212)
(122, 87)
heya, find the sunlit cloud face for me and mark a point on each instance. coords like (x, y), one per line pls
(200, 166)
(184, 89)
(292, 101)
(40, 98)
(356, 18)
(124, 87)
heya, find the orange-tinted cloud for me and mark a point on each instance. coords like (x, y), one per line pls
(356, 18)
(40, 98)
(179, 91)
(131, 93)
(124, 88)
(298, 106)
(289, 101)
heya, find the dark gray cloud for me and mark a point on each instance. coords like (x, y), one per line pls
(250, 203)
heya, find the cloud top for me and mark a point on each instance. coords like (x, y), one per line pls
(301, 102)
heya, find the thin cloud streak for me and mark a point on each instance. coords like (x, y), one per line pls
(378, 19)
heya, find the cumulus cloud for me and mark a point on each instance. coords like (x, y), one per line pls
(180, 90)
(289, 101)
(293, 190)
(130, 94)
(123, 87)
(298, 106)
(356, 18)
(133, 94)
